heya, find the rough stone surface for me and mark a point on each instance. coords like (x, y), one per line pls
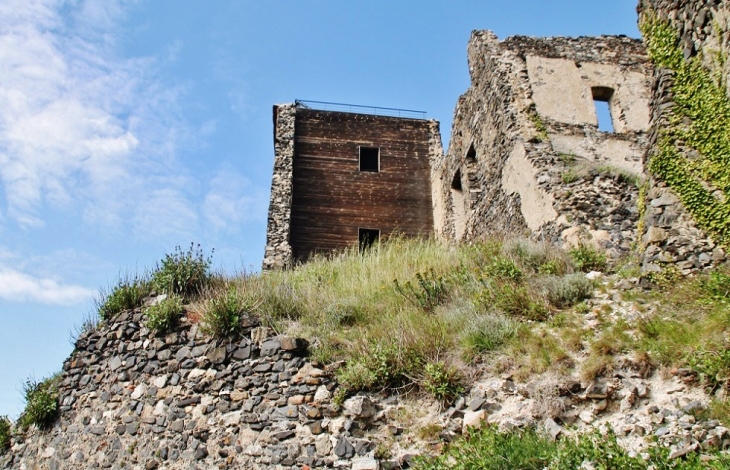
(526, 156)
(672, 237)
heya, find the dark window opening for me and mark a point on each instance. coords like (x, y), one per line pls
(370, 159)
(456, 183)
(602, 99)
(368, 237)
(471, 155)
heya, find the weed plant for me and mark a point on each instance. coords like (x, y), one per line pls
(163, 316)
(183, 273)
(41, 403)
(442, 381)
(586, 258)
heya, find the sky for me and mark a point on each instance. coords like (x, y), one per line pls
(130, 127)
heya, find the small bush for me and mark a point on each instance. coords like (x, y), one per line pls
(586, 258)
(222, 314)
(163, 316)
(566, 291)
(713, 365)
(5, 431)
(380, 364)
(41, 403)
(429, 291)
(505, 269)
(126, 295)
(717, 286)
(184, 273)
(442, 381)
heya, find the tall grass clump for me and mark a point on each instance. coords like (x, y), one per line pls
(128, 294)
(223, 313)
(41, 403)
(5, 434)
(184, 273)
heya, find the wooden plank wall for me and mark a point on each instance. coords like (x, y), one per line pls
(331, 198)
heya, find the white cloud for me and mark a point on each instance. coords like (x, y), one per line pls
(80, 126)
(16, 286)
(230, 201)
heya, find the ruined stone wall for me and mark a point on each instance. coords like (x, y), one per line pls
(526, 155)
(671, 236)
(132, 400)
(278, 252)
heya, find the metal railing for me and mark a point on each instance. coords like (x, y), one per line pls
(360, 109)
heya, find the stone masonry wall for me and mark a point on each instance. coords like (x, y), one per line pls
(278, 252)
(526, 156)
(671, 236)
(133, 400)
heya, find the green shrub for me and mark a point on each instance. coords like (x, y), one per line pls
(126, 295)
(163, 316)
(717, 286)
(442, 381)
(566, 291)
(380, 364)
(586, 258)
(184, 273)
(429, 291)
(713, 365)
(222, 314)
(505, 269)
(666, 277)
(5, 432)
(41, 403)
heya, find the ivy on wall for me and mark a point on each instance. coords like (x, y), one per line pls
(693, 154)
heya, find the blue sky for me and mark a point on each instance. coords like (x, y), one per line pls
(129, 127)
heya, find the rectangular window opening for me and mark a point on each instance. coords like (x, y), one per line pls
(370, 159)
(602, 100)
(603, 111)
(368, 237)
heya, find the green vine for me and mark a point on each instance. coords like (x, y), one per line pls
(693, 154)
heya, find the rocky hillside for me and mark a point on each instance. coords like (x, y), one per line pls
(132, 397)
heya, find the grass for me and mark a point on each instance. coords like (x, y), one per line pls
(528, 449)
(127, 294)
(419, 315)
